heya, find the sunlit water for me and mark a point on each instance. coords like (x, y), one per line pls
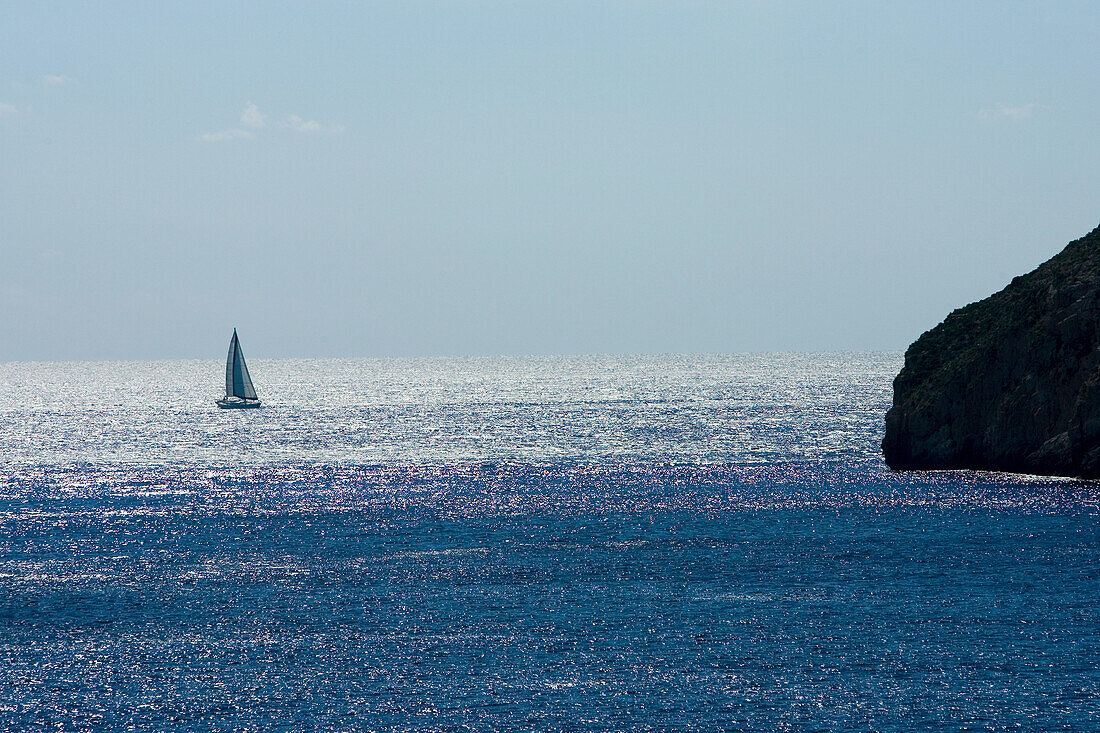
(555, 543)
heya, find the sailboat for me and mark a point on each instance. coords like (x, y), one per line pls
(239, 392)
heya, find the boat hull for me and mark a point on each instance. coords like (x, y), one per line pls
(238, 404)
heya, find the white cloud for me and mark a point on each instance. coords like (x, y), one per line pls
(253, 117)
(54, 80)
(296, 123)
(6, 109)
(1006, 112)
(253, 120)
(224, 135)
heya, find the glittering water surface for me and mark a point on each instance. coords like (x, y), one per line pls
(587, 543)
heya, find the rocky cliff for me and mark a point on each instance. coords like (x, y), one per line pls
(1010, 383)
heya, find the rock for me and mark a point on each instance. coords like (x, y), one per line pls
(1010, 383)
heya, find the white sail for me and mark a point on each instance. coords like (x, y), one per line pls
(237, 381)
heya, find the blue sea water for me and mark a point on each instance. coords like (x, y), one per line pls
(544, 543)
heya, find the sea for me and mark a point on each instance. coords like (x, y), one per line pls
(550, 543)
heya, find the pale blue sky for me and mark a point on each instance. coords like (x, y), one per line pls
(422, 178)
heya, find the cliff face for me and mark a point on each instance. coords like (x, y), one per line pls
(1010, 383)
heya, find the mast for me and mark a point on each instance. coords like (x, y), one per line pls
(234, 346)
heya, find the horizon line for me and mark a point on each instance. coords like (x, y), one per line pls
(594, 354)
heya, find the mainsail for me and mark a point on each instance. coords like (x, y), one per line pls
(237, 381)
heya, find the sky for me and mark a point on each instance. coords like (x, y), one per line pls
(414, 178)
